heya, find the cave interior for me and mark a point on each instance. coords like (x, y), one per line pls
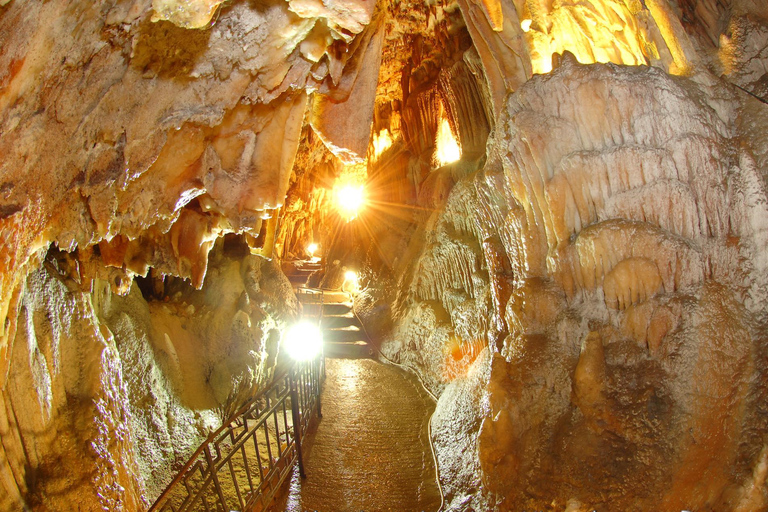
(553, 212)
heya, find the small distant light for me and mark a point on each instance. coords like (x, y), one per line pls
(303, 341)
(350, 284)
(526, 25)
(311, 248)
(381, 142)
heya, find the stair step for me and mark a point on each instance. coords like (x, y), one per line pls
(342, 335)
(307, 268)
(309, 299)
(336, 309)
(347, 350)
(337, 322)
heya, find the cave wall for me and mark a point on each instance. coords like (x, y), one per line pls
(108, 394)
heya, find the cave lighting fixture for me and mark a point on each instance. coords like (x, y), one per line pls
(350, 199)
(311, 249)
(350, 284)
(303, 341)
(447, 149)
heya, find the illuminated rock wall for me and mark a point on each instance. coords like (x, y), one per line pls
(107, 394)
(591, 302)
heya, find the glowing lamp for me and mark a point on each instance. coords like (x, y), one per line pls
(350, 284)
(311, 248)
(349, 200)
(526, 25)
(303, 341)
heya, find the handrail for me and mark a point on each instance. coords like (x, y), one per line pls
(244, 462)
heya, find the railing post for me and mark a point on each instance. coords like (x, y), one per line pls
(295, 409)
(317, 384)
(215, 476)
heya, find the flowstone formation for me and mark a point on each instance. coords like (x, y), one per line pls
(134, 137)
(588, 299)
(636, 323)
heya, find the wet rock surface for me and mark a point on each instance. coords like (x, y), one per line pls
(370, 450)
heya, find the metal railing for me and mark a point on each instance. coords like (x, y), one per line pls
(242, 465)
(312, 300)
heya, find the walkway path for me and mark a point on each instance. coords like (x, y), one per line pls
(370, 451)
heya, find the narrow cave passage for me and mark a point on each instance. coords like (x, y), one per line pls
(371, 450)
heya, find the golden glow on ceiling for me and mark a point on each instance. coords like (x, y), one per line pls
(350, 198)
(447, 148)
(382, 141)
(592, 30)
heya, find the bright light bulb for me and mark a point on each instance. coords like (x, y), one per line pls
(526, 25)
(303, 341)
(311, 248)
(349, 200)
(350, 284)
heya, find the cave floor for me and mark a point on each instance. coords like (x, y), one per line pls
(370, 451)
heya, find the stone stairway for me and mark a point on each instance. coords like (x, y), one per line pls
(343, 334)
(299, 271)
(342, 331)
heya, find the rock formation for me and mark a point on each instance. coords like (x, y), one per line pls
(581, 280)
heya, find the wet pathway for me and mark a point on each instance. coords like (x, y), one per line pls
(370, 451)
